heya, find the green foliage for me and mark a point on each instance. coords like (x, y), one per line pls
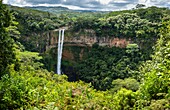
(159, 104)
(28, 88)
(34, 27)
(153, 14)
(157, 78)
(84, 23)
(50, 60)
(125, 99)
(128, 83)
(132, 49)
(128, 25)
(103, 65)
(7, 54)
(39, 89)
(30, 59)
(156, 75)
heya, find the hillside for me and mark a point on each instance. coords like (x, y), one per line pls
(60, 9)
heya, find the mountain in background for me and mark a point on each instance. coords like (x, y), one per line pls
(57, 9)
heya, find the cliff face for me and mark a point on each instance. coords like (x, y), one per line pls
(75, 44)
(88, 38)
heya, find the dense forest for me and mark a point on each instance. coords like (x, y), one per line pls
(131, 77)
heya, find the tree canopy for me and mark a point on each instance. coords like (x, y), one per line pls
(7, 54)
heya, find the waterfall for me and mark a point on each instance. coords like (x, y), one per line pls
(60, 49)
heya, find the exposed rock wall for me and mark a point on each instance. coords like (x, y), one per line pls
(88, 38)
(75, 44)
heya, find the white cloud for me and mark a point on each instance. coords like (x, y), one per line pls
(20, 2)
(106, 5)
(159, 3)
(15, 2)
(5, 1)
(120, 1)
(104, 2)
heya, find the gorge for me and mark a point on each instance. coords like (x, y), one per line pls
(115, 61)
(83, 40)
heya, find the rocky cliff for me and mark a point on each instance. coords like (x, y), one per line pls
(87, 38)
(77, 45)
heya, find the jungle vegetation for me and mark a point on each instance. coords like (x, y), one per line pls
(111, 78)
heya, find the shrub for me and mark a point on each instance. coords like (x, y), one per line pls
(128, 83)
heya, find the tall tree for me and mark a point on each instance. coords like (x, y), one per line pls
(7, 55)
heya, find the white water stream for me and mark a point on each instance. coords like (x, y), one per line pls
(60, 49)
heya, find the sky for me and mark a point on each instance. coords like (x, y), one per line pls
(101, 5)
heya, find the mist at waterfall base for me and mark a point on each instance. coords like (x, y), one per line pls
(60, 49)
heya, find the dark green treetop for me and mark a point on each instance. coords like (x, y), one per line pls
(7, 55)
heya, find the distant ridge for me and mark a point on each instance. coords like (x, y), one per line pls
(45, 7)
(57, 9)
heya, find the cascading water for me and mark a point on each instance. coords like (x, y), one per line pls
(60, 49)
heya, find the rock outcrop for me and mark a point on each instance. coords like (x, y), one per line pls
(88, 38)
(75, 44)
